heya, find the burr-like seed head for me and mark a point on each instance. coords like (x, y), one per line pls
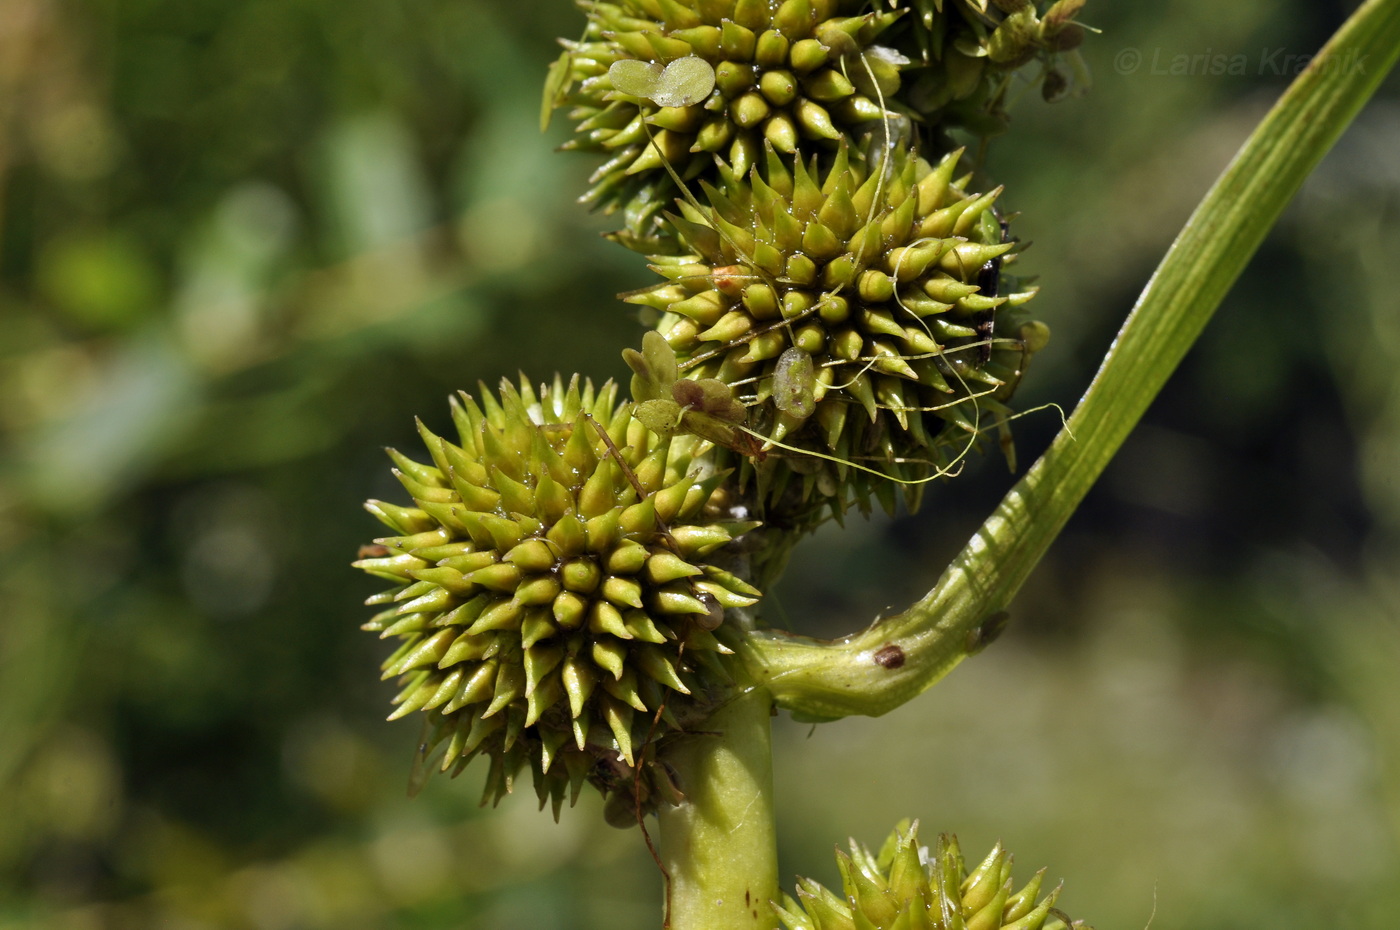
(551, 593)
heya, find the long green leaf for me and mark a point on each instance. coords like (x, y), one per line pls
(877, 670)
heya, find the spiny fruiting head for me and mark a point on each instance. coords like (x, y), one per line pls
(908, 887)
(961, 57)
(551, 588)
(860, 314)
(796, 73)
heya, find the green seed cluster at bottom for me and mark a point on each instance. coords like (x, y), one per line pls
(908, 887)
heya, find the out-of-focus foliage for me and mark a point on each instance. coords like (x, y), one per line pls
(243, 242)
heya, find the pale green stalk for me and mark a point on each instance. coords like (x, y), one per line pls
(720, 848)
(920, 645)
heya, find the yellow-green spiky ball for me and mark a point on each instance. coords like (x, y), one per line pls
(909, 887)
(551, 586)
(968, 58)
(796, 74)
(860, 313)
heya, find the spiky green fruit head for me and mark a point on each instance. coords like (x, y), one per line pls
(796, 73)
(861, 315)
(551, 588)
(963, 54)
(907, 887)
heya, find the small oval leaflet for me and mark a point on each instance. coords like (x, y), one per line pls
(688, 394)
(682, 83)
(654, 368)
(794, 384)
(685, 81)
(660, 416)
(710, 396)
(637, 78)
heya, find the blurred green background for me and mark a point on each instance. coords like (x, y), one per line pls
(244, 242)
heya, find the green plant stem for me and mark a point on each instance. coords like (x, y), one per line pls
(860, 674)
(719, 847)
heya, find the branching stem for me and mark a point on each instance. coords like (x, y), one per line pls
(874, 671)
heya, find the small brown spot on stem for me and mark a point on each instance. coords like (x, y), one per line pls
(889, 656)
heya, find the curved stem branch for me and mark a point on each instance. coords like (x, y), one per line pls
(854, 675)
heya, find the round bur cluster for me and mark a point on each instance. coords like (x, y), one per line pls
(907, 887)
(961, 60)
(550, 588)
(859, 314)
(789, 74)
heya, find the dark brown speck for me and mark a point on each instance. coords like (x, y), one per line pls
(889, 656)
